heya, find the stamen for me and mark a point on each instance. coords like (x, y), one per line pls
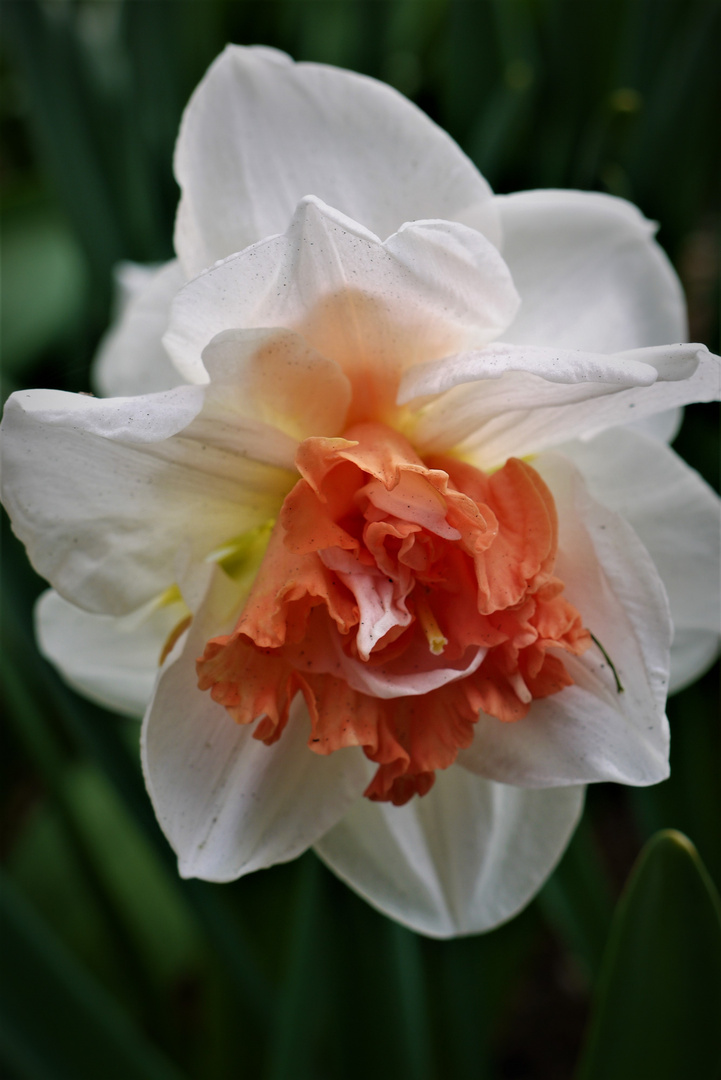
(434, 635)
(173, 637)
(609, 661)
(519, 688)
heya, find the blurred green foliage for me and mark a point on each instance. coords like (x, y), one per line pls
(114, 966)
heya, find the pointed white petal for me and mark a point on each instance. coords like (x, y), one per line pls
(261, 132)
(514, 400)
(131, 358)
(589, 273)
(113, 661)
(678, 518)
(590, 731)
(105, 492)
(460, 860)
(227, 803)
(375, 308)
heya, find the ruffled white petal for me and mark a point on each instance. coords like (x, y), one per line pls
(132, 359)
(515, 400)
(678, 518)
(589, 273)
(113, 661)
(227, 803)
(590, 731)
(261, 132)
(461, 860)
(375, 308)
(104, 493)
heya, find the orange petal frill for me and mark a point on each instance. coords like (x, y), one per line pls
(400, 597)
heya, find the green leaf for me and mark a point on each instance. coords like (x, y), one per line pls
(44, 281)
(576, 900)
(56, 1022)
(658, 1000)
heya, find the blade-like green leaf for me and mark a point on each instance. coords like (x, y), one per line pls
(56, 1022)
(576, 900)
(658, 1001)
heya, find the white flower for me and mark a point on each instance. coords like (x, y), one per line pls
(324, 501)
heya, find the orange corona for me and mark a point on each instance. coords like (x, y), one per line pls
(400, 597)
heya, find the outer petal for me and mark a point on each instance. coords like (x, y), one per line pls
(590, 731)
(104, 493)
(261, 132)
(462, 859)
(512, 400)
(678, 518)
(589, 273)
(227, 803)
(131, 358)
(113, 661)
(375, 308)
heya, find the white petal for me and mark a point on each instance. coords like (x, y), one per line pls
(227, 803)
(590, 731)
(460, 860)
(519, 400)
(131, 358)
(261, 132)
(693, 652)
(105, 492)
(678, 518)
(431, 289)
(111, 660)
(589, 273)
(664, 426)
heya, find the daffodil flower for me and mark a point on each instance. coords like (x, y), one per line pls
(396, 547)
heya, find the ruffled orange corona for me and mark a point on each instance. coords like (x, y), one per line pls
(400, 597)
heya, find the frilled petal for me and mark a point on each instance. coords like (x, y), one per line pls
(462, 859)
(514, 400)
(589, 273)
(591, 731)
(228, 803)
(104, 493)
(131, 358)
(261, 132)
(375, 308)
(678, 518)
(112, 660)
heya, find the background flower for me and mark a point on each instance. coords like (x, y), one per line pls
(517, 77)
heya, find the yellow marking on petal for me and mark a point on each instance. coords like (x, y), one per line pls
(173, 637)
(434, 635)
(243, 554)
(172, 595)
